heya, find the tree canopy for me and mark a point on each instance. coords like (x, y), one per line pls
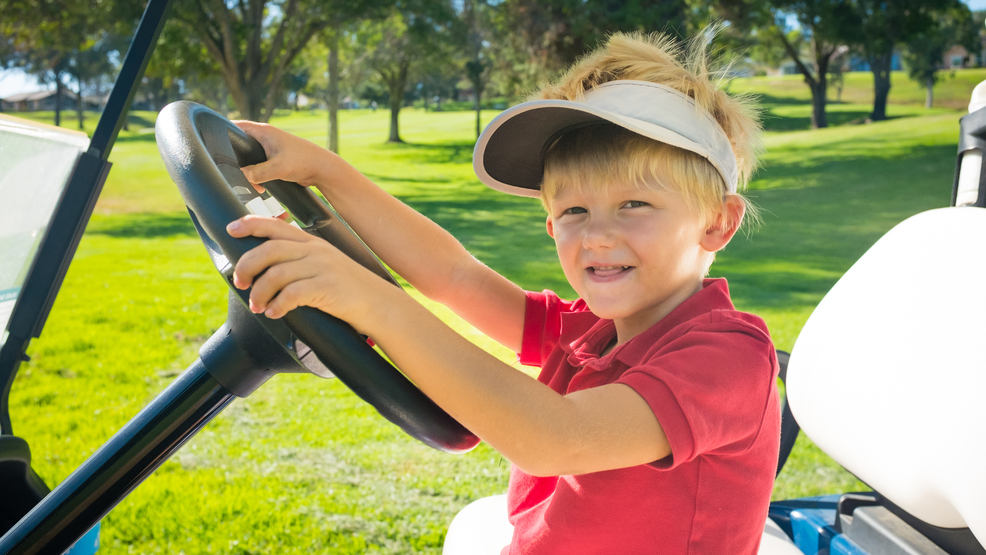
(247, 55)
(253, 43)
(924, 52)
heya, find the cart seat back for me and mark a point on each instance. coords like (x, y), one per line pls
(888, 375)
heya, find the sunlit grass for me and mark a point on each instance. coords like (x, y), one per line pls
(302, 465)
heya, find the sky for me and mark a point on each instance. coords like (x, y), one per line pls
(13, 81)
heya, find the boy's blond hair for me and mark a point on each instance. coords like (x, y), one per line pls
(594, 156)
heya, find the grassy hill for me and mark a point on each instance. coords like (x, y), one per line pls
(302, 466)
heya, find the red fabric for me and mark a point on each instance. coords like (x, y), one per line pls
(709, 374)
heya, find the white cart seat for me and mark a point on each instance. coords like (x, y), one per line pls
(481, 528)
(888, 375)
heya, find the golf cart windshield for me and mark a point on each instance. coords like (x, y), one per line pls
(36, 161)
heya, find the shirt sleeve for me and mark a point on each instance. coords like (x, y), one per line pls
(709, 388)
(542, 326)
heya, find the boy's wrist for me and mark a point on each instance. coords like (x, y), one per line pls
(327, 175)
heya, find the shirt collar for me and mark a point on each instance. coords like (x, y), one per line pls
(584, 335)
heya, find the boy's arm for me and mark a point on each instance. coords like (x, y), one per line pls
(542, 432)
(420, 251)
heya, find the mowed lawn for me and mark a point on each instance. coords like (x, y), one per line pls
(302, 465)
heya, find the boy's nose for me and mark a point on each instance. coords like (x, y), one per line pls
(599, 235)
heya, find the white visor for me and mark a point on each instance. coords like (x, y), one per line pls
(510, 152)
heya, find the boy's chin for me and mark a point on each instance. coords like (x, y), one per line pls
(608, 311)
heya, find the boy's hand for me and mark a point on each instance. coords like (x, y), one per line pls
(300, 270)
(289, 158)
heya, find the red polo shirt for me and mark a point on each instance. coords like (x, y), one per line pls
(709, 374)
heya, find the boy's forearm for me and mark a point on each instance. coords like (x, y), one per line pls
(404, 239)
(537, 429)
(424, 254)
(489, 397)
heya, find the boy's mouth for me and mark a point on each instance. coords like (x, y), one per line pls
(607, 271)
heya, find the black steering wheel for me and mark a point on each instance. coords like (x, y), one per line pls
(203, 152)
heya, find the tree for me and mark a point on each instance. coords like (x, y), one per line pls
(879, 26)
(540, 38)
(476, 19)
(765, 54)
(88, 66)
(296, 81)
(925, 50)
(42, 36)
(345, 17)
(438, 79)
(180, 66)
(822, 24)
(414, 32)
(253, 42)
(837, 70)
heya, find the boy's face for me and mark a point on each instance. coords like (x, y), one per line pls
(632, 254)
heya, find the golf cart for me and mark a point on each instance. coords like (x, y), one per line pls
(930, 495)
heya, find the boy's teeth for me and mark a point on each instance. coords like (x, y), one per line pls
(608, 270)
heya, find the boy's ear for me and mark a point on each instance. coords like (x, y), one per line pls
(550, 225)
(718, 235)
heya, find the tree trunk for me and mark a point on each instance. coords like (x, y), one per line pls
(819, 118)
(880, 66)
(59, 91)
(817, 82)
(479, 127)
(397, 83)
(80, 108)
(929, 94)
(249, 100)
(333, 98)
(395, 109)
(477, 87)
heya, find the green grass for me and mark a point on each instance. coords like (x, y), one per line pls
(952, 90)
(302, 465)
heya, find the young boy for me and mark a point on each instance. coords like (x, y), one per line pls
(653, 427)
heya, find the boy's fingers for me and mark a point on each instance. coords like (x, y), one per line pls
(261, 258)
(261, 173)
(292, 296)
(256, 130)
(275, 280)
(261, 226)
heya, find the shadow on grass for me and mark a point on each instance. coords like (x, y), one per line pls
(143, 226)
(767, 99)
(814, 232)
(774, 122)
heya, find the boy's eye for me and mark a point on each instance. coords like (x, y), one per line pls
(634, 204)
(575, 210)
